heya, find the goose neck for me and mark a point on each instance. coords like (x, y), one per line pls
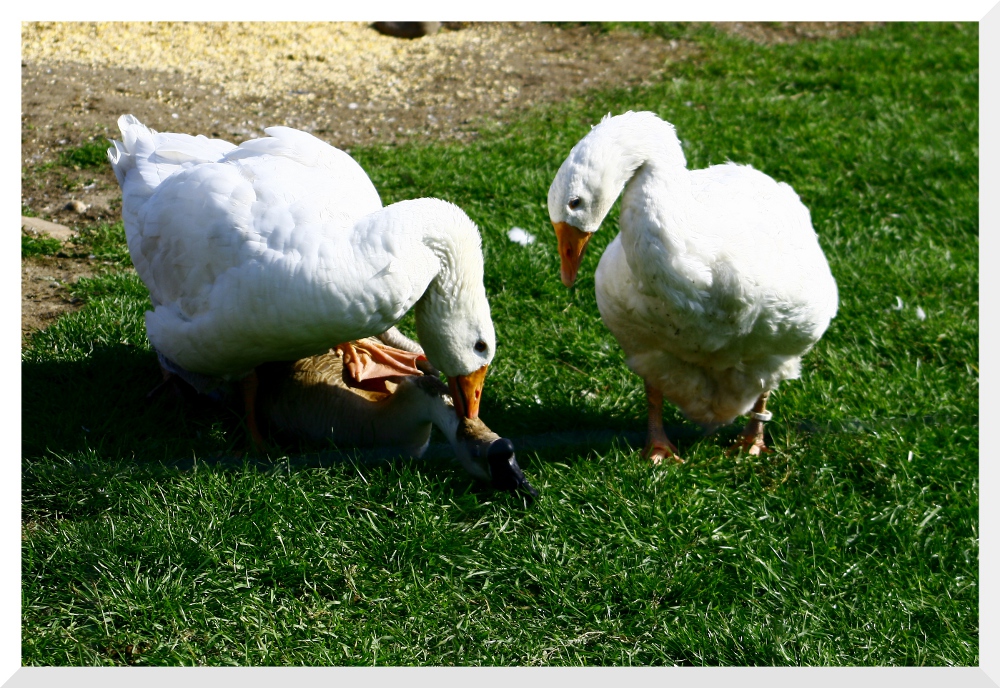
(657, 214)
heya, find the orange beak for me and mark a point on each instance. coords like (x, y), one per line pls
(572, 243)
(466, 391)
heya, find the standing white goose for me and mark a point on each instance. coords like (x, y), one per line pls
(716, 285)
(280, 248)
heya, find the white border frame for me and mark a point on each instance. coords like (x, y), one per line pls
(983, 11)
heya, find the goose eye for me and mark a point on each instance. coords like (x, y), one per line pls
(480, 346)
(574, 203)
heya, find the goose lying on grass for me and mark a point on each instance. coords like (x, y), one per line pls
(279, 248)
(311, 399)
(716, 285)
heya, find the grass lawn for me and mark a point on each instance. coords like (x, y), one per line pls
(854, 543)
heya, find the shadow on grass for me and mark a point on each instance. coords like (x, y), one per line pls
(100, 405)
(93, 417)
(96, 412)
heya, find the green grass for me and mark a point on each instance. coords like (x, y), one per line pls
(103, 241)
(87, 155)
(854, 543)
(39, 246)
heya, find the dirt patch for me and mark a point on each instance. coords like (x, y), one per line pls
(46, 282)
(344, 82)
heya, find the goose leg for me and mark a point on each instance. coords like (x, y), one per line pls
(752, 437)
(249, 386)
(164, 383)
(658, 447)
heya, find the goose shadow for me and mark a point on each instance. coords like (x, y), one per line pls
(99, 407)
(98, 411)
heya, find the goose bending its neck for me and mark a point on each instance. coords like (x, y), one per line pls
(636, 152)
(716, 285)
(279, 248)
(423, 254)
(452, 312)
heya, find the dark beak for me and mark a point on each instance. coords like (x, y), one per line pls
(504, 471)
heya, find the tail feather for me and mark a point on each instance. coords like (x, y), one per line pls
(156, 156)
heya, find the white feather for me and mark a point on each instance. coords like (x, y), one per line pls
(280, 248)
(520, 236)
(716, 285)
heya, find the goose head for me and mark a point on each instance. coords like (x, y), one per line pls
(579, 199)
(594, 174)
(459, 340)
(580, 196)
(488, 456)
(453, 320)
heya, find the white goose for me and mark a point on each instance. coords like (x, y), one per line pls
(716, 285)
(279, 248)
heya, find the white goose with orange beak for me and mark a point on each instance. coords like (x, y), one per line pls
(279, 249)
(716, 285)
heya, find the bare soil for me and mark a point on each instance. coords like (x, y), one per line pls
(481, 74)
(46, 283)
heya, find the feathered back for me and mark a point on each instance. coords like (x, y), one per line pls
(304, 149)
(280, 247)
(144, 158)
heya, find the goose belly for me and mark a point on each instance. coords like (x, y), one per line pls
(712, 370)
